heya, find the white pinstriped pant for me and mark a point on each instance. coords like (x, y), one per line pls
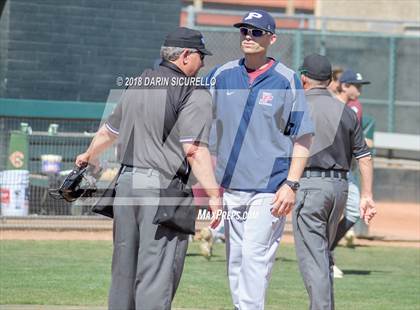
(251, 245)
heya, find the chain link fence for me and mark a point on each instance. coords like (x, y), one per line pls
(30, 145)
(391, 63)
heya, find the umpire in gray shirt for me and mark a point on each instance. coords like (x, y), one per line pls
(161, 127)
(322, 195)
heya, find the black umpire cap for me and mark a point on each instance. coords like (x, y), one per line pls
(188, 38)
(316, 67)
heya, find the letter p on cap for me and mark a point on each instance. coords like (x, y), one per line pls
(252, 15)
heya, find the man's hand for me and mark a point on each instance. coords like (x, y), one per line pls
(215, 204)
(82, 159)
(86, 159)
(283, 201)
(367, 209)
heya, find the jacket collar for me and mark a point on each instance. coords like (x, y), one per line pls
(171, 66)
(318, 91)
(260, 77)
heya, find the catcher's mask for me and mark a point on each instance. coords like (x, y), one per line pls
(72, 187)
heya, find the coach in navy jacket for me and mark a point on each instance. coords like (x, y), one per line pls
(262, 135)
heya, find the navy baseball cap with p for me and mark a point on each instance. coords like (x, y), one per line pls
(351, 77)
(259, 19)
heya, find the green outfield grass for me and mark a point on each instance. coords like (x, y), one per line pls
(78, 273)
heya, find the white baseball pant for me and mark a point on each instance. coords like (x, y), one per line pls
(252, 238)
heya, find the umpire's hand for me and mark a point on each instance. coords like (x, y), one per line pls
(283, 201)
(82, 159)
(85, 159)
(367, 209)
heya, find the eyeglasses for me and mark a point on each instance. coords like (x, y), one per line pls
(252, 32)
(201, 55)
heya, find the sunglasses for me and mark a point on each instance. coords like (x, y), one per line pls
(252, 32)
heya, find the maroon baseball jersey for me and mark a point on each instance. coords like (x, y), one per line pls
(356, 106)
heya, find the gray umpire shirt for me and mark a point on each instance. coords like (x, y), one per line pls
(338, 135)
(153, 119)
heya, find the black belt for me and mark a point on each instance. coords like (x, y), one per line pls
(325, 174)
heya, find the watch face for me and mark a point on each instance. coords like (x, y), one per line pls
(293, 185)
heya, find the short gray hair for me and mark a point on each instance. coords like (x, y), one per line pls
(172, 53)
(314, 82)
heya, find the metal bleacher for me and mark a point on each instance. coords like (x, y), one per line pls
(397, 145)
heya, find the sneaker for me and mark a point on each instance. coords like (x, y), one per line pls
(206, 246)
(337, 272)
(206, 249)
(349, 238)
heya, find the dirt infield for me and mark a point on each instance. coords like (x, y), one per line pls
(397, 224)
(397, 221)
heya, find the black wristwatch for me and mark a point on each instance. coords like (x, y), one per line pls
(293, 185)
